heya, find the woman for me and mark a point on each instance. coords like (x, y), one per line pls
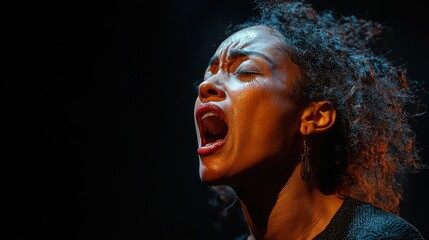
(307, 126)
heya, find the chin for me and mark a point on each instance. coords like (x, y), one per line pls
(211, 176)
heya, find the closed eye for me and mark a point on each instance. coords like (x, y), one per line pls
(247, 76)
(244, 73)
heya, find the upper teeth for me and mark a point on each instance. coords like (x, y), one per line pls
(209, 114)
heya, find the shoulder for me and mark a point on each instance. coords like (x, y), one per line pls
(360, 220)
(373, 221)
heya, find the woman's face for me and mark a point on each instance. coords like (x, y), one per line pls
(244, 116)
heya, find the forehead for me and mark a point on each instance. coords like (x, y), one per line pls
(256, 38)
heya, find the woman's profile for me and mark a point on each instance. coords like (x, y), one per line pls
(308, 126)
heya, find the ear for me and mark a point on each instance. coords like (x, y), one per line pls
(318, 117)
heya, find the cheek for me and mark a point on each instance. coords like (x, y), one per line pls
(276, 128)
(268, 122)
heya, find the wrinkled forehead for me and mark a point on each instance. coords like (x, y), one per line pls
(256, 38)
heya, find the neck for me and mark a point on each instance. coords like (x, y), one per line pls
(291, 210)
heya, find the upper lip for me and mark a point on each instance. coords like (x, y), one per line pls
(200, 112)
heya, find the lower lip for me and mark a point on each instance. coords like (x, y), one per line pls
(210, 148)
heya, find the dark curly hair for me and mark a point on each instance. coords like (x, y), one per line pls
(371, 147)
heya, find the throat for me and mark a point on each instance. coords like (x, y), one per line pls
(292, 210)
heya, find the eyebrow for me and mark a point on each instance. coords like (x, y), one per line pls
(239, 53)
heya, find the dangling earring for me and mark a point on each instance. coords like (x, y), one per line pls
(306, 164)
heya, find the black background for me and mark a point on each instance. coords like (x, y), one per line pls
(99, 140)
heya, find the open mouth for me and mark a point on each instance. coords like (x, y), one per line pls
(213, 128)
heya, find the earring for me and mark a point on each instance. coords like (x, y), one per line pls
(306, 171)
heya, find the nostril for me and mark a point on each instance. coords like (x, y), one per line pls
(212, 92)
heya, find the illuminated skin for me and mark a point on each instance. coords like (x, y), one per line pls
(257, 152)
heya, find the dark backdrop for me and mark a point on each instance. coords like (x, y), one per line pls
(99, 140)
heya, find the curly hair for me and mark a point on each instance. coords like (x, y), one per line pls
(371, 147)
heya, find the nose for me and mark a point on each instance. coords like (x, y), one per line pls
(208, 91)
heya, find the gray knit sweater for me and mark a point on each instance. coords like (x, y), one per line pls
(357, 220)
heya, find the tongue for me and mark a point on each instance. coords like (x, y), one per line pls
(215, 126)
